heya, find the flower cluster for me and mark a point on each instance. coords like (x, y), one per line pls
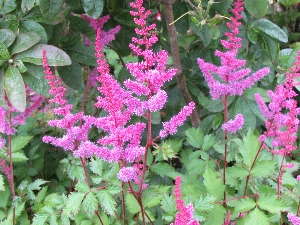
(295, 220)
(184, 216)
(233, 78)
(281, 113)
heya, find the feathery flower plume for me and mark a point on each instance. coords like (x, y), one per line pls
(233, 78)
(281, 113)
(184, 216)
(295, 220)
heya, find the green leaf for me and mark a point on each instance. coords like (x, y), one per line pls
(82, 54)
(204, 204)
(4, 52)
(164, 170)
(73, 203)
(208, 142)
(151, 197)
(93, 7)
(263, 168)
(288, 3)
(20, 66)
(2, 187)
(96, 165)
(7, 37)
(82, 187)
(213, 106)
(217, 121)
(40, 218)
(72, 75)
(36, 184)
(7, 6)
(242, 107)
(249, 93)
(15, 88)
(26, 5)
(19, 142)
(42, 194)
(243, 205)
(271, 29)
(25, 41)
(256, 217)
(55, 56)
(252, 35)
(271, 45)
(214, 185)
(257, 8)
(90, 204)
(271, 203)
(34, 77)
(32, 26)
(107, 202)
(50, 8)
(131, 204)
(248, 148)
(194, 137)
(216, 216)
(237, 172)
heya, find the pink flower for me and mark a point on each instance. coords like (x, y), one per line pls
(234, 125)
(127, 174)
(184, 216)
(295, 220)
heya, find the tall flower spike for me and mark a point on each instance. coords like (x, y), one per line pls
(184, 216)
(233, 77)
(282, 113)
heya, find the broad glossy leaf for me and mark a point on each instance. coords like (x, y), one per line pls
(50, 8)
(26, 5)
(32, 26)
(93, 7)
(271, 45)
(25, 41)
(7, 37)
(35, 15)
(257, 8)
(4, 51)
(55, 56)
(7, 6)
(82, 54)
(271, 29)
(252, 35)
(34, 77)
(15, 88)
(72, 75)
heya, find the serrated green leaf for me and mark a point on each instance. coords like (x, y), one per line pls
(82, 54)
(164, 169)
(96, 165)
(217, 121)
(20, 142)
(271, 29)
(107, 202)
(248, 148)
(208, 142)
(32, 26)
(256, 217)
(288, 3)
(73, 203)
(204, 204)
(244, 205)
(242, 107)
(90, 204)
(7, 37)
(55, 56)
(40, 219)
(15, 88)
(263, 168)
(216, 216)
(25, 41)
(82, 187)
(18, 157)
(131, 204)
(194, 137)
(2, 187)
(253, 5)
(72, 75)
(93, 7)
(36, 184)
(41, 195)
(151, 198)
(271, 203)
(4, 51)
(50, 8)
(237, 172)
(214, 185)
